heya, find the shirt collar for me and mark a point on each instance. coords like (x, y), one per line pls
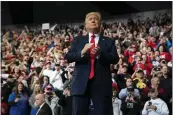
(42, 105)
(90, 34)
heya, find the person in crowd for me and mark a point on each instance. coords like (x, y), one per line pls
(65, 102)
(56, 79)
(123, 92)
(7, 88)
(52, 100)
(34, 80)
(18, 100)
(166, 84)
(131, 104)
(46, 81)
(116, 103)
(155, 106)
(44, 108)
(101, 52)
(122, 76)
(37, 89)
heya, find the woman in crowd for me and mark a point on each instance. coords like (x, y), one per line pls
(37, 90)
(19, 101)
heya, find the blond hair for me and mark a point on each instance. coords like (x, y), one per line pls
(93, 13)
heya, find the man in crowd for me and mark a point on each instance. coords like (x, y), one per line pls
(123, 93)
(44, 108)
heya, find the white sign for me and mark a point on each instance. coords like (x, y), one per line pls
(45, 26)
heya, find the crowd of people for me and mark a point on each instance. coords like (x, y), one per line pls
(33, 63)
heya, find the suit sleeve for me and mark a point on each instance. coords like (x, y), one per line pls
(74, 54)
(110, 57)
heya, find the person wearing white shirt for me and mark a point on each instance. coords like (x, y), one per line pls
(116, 103)
(155, 106)
(56, 79)
(48, 72)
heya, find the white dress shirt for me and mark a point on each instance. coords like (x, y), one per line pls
(96, 39)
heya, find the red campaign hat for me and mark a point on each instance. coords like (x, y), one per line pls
(48, 89)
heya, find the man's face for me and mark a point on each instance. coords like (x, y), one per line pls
(92, 23)
(153, 95)
(164, 70)
(124, 70)
(156, 53)
(62, 62)
(38, 100)
(57, 68)
(144, 58)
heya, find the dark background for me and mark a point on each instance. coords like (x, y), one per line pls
(63, 11)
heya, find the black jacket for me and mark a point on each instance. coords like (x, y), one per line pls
(135, 110)
(66, 104)
(45, 110)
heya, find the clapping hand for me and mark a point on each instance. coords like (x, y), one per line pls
(86, 48)
(95, 51)
(16, 100)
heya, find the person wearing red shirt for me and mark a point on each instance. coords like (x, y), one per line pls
(130, 51)
(146, 67)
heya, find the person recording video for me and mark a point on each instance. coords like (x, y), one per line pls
(155, 106)
(124, 92)
(130, 104)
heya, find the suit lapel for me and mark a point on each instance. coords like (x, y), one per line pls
(40, 110)
(101, 41)
(86, 39)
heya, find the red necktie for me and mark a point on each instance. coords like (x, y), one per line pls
(92, 57)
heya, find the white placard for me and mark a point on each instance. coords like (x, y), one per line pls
(45, 26)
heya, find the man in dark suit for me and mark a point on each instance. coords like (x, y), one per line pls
(91, 79)
(44, 107)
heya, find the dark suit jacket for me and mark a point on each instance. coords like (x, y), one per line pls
(45, 110)
(108, 55)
